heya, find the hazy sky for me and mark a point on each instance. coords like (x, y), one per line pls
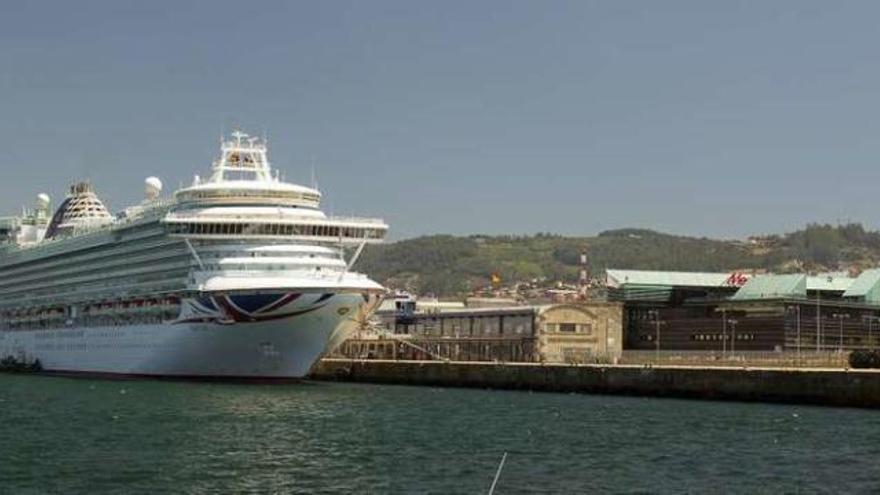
(716, 118)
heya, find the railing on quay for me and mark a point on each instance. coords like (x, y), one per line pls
(785, 359)
(500, 351)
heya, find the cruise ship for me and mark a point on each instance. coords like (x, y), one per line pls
(240, 275)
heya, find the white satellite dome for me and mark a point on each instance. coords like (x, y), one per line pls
(152, 187)
(43, 200)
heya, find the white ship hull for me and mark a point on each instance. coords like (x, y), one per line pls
(280, 348)
(237, 276)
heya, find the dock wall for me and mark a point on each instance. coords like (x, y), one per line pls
(831, 387)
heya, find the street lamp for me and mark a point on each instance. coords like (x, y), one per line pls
(655, 316)
(870, 319)
(723, 332)
(797, 312)
(840, 317)
(732, 322)
(818, 321)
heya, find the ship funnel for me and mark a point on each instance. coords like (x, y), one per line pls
(152, 187)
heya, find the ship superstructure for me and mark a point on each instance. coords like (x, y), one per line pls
(238, 275)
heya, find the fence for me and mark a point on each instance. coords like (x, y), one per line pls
(523, 350)
(788, 359)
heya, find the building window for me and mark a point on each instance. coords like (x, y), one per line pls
(568, 327)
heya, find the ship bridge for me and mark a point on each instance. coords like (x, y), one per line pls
(242, 175)
(245, 198)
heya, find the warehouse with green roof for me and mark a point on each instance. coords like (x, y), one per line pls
(745, 311)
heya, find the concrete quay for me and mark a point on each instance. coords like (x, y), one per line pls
(817, 386)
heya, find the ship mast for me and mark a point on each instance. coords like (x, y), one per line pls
(242, 157)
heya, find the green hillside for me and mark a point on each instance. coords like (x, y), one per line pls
(449, 265)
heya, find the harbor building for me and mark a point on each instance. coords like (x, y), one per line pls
(572, 332)
(729, 312)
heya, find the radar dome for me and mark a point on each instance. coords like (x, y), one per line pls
(43, 200)
(152, 187)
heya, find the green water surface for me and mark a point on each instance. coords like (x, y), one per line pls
(69, 436)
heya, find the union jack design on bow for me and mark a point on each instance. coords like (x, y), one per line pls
(249, 308)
